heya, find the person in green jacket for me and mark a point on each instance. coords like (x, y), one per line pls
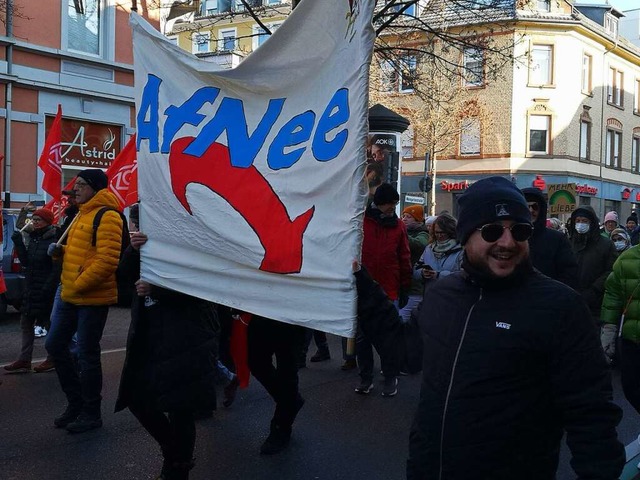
(621, 312)
(413, 219)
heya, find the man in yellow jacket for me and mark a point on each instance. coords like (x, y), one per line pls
(88, 287)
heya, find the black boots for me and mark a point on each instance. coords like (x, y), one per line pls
(175, 470)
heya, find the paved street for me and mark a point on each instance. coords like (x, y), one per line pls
(339, 435)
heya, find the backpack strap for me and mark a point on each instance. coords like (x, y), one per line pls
(98, 218)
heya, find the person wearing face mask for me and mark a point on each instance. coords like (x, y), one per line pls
(595, 255)
(443, 256)
(620, 239)
(549, 249)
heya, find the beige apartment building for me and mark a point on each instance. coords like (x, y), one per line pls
(566, 111)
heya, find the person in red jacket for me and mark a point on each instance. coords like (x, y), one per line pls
(387, 258)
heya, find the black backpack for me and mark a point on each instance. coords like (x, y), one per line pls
(124, 284)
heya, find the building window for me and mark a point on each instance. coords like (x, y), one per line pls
(635, 155)
(200, 42)
(473, 67)
(612, 153)
(611, 24)
(636, 97)
(398, 76)
(544, 5)
(541, 72)
(411, 10)
(260, 36)
(227, 40)
(470, 136)
(615, 89)
(587, 64)
(539, 133)
(209, 7)
(585, 141)
(85, 26)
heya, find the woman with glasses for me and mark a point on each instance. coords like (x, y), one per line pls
(42, 278)
(443, 255)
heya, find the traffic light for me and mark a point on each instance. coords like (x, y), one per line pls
(426, 184)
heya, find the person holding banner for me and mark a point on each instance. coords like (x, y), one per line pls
(169, 370)
(88, 287)
(42, 276)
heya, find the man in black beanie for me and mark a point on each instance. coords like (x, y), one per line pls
(511, 360)
(387, 258)
(88, 286)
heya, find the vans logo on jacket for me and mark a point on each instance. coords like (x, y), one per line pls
(504, 325)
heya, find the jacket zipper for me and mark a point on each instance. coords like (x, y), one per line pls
(453, 370)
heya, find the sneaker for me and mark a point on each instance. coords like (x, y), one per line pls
(349, 365)
(84, 423)
(390, 387)
(18, 367)
(37, 331)
(44, 332)
(365, 387)
(45, 366)
(278, 439)
(320, 356)
(65, 418)
(229, 392)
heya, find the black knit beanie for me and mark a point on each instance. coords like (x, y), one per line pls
(385, 194)
(95, 178)
(489, 200)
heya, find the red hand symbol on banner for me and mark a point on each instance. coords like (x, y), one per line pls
(249, 193)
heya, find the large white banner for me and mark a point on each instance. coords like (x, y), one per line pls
(251, 179)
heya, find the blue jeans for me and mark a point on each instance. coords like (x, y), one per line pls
(82, 384)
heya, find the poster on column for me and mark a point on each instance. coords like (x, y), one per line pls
(251, 180)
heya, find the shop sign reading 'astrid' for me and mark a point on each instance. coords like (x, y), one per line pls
(88, 144)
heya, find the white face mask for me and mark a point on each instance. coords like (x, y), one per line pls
(620, 244)
(582, 227)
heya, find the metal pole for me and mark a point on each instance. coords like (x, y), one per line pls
(8, 107)
(434, 162)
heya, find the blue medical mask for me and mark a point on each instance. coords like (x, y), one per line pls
(582, 227)
(620, 244)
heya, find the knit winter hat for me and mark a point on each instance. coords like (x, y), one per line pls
(620, 232)
(611, 216)
(385, 194)
(45, 214)
(95, 178)
(632, 218)
(489, 200)
(416, 211)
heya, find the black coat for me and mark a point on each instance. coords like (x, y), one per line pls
(596, 256)
(506, 370)
(550, 250)
(42, 274)
(171, 350)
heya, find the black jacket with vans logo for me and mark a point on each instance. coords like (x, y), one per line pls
(508, 366)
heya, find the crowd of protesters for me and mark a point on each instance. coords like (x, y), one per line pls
(500, 308)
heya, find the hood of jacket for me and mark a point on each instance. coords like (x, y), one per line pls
(532, 194)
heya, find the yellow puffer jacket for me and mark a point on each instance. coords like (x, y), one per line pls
(89, 273)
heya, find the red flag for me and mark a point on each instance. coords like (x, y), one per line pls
(58, 206)
(51, 159)
(123, 174)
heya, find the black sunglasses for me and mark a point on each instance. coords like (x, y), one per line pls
(493, 231)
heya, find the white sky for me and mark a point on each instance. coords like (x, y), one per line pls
(619, 4)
